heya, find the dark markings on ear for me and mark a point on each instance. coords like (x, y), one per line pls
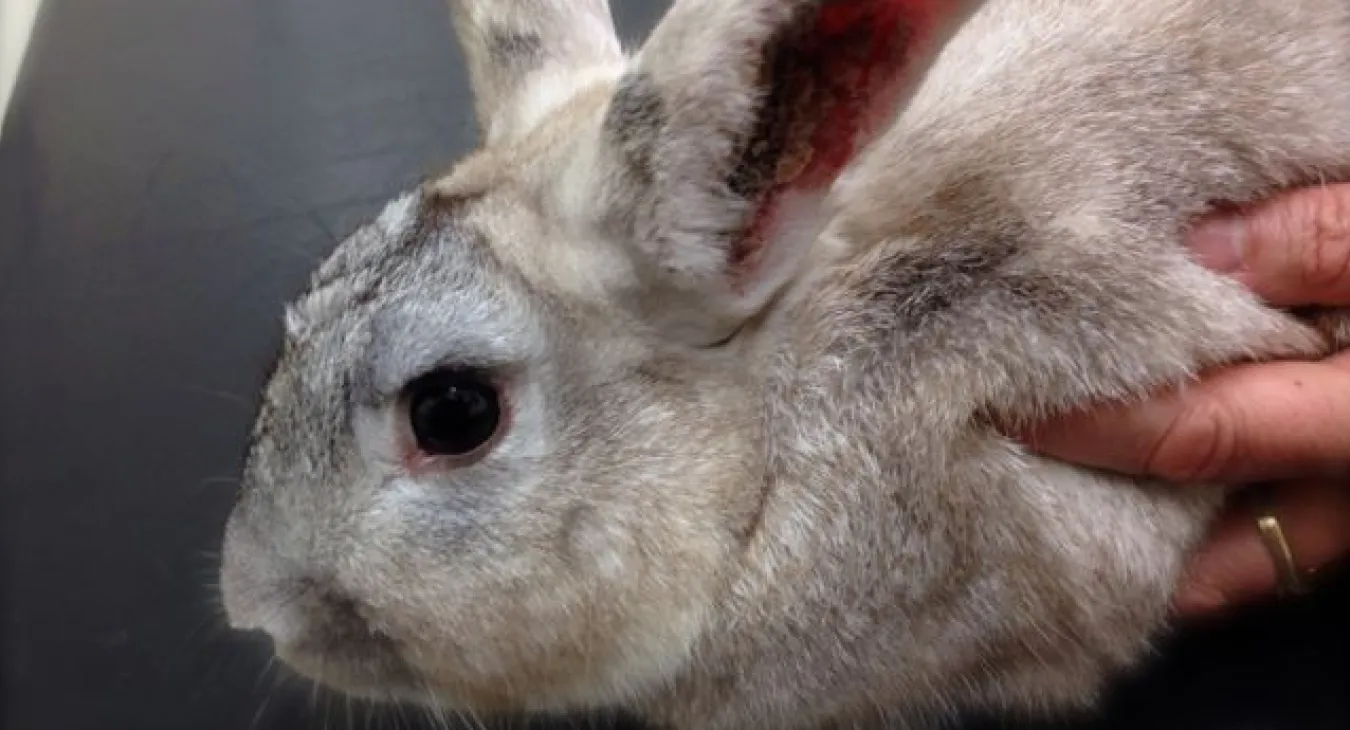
(634, 121)
(828, 76)
(789, 91)
(450, 203)
(514, 49)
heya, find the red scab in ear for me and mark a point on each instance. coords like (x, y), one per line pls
(858, 55)
(864, 48)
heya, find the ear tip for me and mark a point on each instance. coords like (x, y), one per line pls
(836, 18)
(505, 43)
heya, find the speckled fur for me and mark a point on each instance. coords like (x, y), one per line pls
(818, 523)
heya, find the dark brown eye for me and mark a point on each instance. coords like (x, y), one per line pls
(453, 412)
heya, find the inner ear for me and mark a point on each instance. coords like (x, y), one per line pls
(832, 78)
(730, 129)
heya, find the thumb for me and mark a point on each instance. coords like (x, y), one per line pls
(1291, 250)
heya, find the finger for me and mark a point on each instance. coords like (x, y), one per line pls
(1249, 423)
(1292, 250)
(1236, 567)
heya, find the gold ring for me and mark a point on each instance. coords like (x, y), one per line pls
(1273, 535)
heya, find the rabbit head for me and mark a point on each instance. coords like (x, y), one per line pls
(669, 397)
(511, 451)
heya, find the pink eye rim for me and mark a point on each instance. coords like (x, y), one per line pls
(453, 416)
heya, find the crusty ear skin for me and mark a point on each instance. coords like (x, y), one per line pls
(738, 116)
(525, 56)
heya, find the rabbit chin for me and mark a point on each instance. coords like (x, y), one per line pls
(369, 668)
(376, 671)
(375, 667)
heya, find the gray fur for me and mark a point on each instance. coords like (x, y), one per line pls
(634, 123)
(508, 47)
(514, 48)
(818, 523)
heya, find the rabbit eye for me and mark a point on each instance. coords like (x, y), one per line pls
(453, 412)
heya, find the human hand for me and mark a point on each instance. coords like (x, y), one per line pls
(1285, 424)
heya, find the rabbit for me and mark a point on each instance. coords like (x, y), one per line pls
(687, 393)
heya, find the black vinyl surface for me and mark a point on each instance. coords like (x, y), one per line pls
(170, 171)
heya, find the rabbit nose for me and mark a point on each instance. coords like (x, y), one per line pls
(267, 589)
(260, 589)
(292, 612)
(254, 600)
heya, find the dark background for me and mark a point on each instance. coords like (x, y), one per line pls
(170, 171)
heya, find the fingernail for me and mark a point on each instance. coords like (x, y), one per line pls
(1041, 438)
(1218, 244)
(1197, 600)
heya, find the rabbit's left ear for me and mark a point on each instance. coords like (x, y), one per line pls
(735, 120)
(524, 55)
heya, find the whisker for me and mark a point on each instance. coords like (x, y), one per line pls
(222, 395)
(262, 707)
(229, 481)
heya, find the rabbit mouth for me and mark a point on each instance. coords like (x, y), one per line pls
(375, 670)
(344, 651)
(354, 660)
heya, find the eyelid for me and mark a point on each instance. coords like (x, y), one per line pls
(406, 342)
(499, 375)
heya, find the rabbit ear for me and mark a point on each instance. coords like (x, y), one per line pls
(520, 53)
(736, 118)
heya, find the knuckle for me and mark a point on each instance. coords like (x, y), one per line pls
(1204, 594)
(1336, 513)
(1326, 246)
(1199, 445)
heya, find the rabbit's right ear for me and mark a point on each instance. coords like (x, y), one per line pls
(733, 122)
(522, 55)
